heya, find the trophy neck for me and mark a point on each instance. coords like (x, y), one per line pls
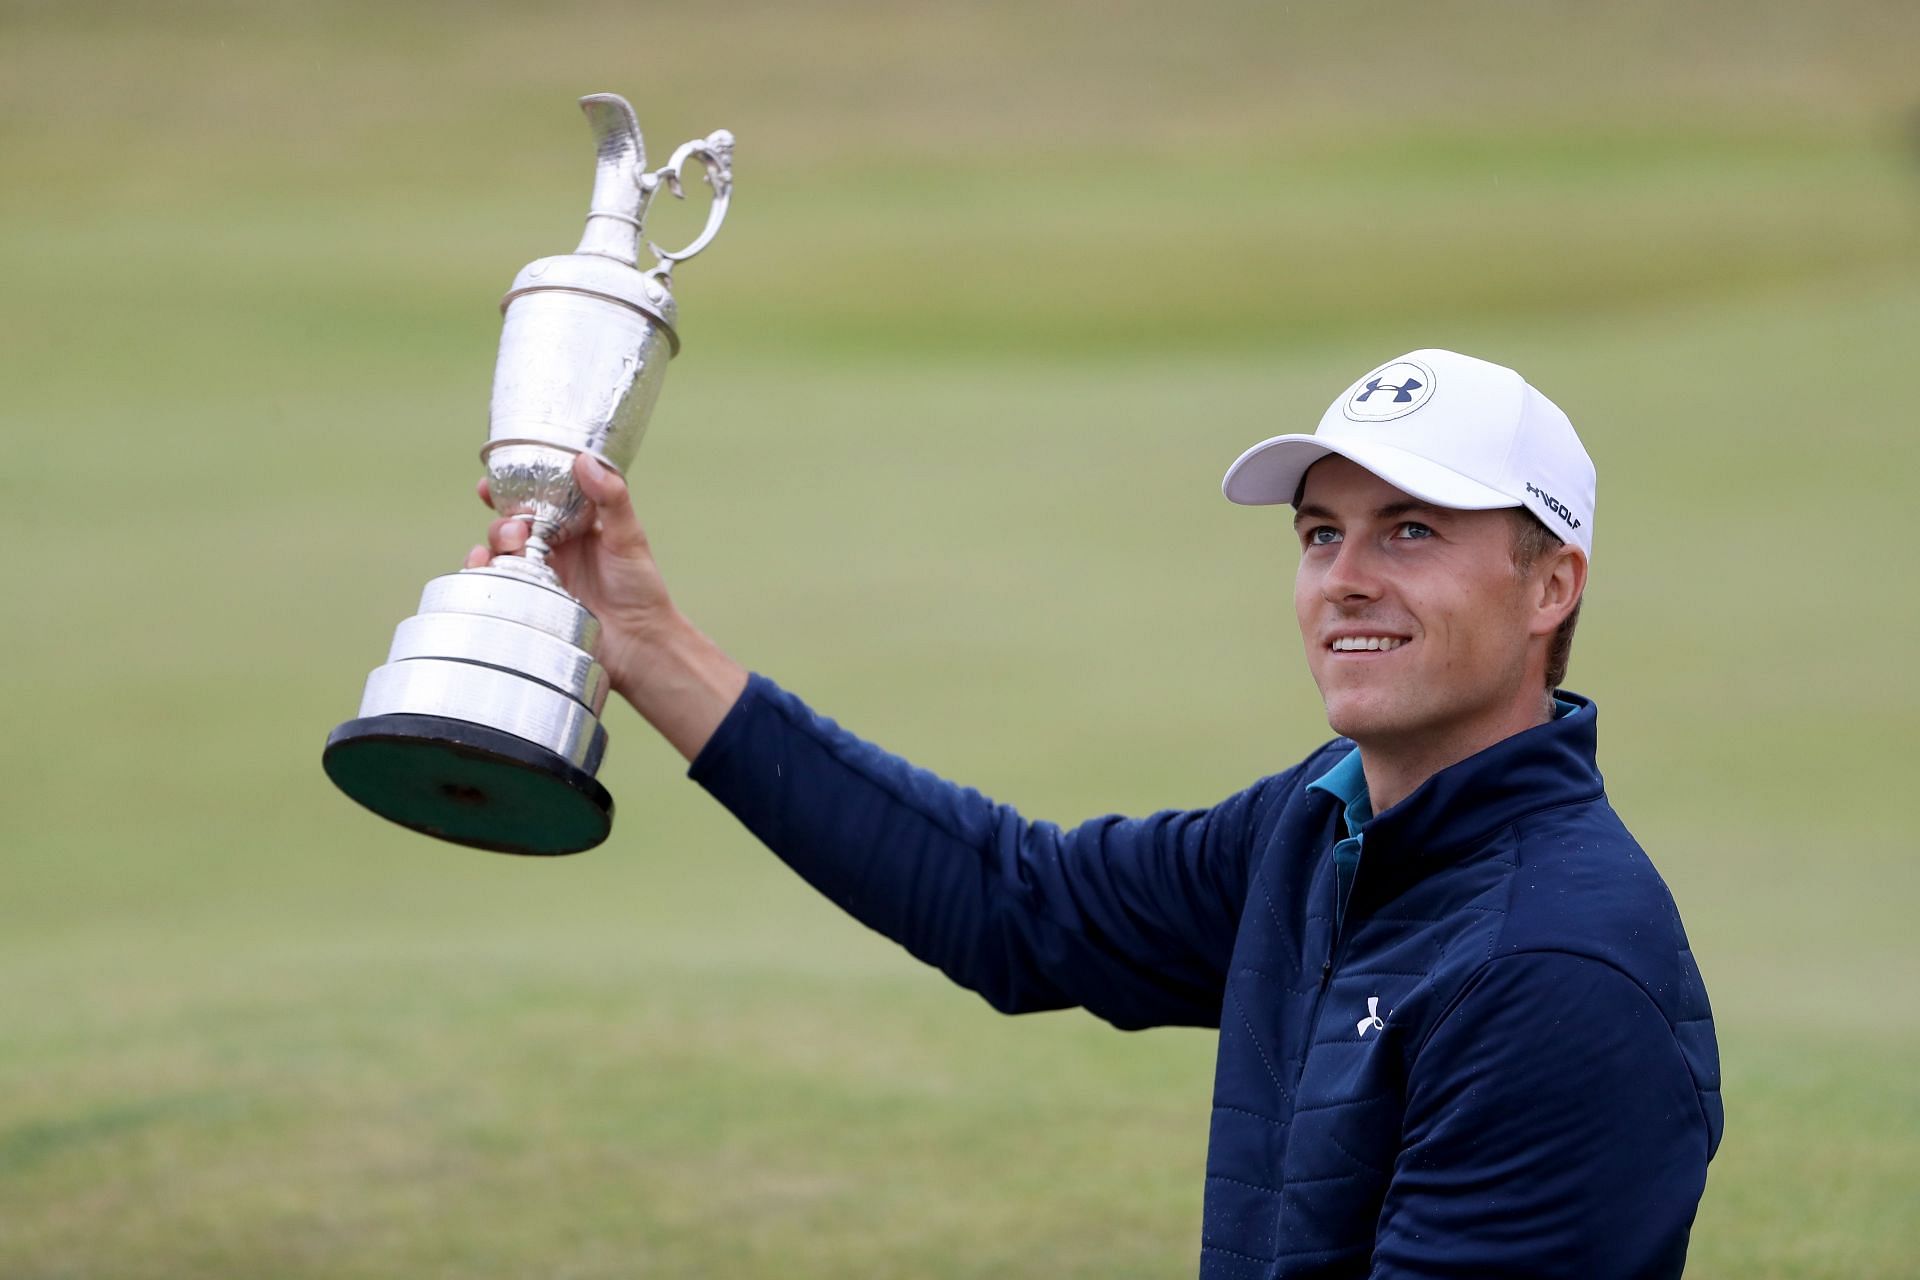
(530, 567)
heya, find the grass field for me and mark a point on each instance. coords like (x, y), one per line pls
(1005, 289)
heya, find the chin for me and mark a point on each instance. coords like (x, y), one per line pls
(1367, 714)
(1350, 717)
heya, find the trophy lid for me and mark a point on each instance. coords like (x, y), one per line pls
(644, 291)
(607, 261)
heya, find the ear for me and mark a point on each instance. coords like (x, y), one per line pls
(1558, 583)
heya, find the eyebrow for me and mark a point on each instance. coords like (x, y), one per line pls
(1313, 511)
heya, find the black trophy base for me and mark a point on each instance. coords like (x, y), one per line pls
(469, 784)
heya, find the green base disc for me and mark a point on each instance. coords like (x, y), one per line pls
(469, 784)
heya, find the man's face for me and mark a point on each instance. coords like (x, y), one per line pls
(1415, 621)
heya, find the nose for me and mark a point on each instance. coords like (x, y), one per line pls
(1352, 578)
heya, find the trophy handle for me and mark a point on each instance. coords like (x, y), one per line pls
(715, 154)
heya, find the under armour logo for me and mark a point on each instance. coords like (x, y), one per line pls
(1402, 392)
(1392, 391)
(1373, 1018)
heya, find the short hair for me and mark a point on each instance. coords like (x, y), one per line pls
(1531, 540)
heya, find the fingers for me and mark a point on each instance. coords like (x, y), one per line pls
(481, 556)
(613, 506)
(508, 535)
(614, 518)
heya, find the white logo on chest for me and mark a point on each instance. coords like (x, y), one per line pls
(1372, 1020)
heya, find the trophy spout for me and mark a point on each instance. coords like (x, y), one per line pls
(619, 200)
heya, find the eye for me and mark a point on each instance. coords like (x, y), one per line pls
(1321, 535)
(1415, 530)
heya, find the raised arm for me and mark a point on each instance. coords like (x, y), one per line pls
(1132, 918)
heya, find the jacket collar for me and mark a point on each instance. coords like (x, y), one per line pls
(1539, 768)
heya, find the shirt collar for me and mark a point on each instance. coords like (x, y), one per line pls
(1346, 780)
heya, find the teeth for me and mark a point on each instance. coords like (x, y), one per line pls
(1349, 644)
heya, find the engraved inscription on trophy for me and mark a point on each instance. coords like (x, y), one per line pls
(483, 727)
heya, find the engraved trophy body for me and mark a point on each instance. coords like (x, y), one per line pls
(483, 727)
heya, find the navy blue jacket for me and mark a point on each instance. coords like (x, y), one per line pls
(1500, 1063)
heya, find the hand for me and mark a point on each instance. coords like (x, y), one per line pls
(609, 567)
(654, 657)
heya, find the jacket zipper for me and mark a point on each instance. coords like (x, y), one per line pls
(1334, 939)
(1335, 936)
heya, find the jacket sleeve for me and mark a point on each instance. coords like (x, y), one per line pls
(1132, 918)
(1552, 1129)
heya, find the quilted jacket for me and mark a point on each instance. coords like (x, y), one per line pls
(1500, 1062)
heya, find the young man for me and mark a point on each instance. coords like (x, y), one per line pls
(1461, 1033)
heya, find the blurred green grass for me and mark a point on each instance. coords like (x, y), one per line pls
(1004, 290)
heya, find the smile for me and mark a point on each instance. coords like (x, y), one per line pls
(1358, 644)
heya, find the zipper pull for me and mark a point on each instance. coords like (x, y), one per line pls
(1326, 973)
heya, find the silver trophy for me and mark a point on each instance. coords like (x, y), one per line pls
(483, 727)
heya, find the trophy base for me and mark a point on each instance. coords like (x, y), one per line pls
(469, 784)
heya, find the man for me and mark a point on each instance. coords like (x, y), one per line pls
(1461, 1033)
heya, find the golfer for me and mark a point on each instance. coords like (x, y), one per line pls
(1461, 1032)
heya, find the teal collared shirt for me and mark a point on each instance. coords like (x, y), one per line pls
(1346, 782)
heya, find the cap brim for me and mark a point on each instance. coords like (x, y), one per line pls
(1270, 473)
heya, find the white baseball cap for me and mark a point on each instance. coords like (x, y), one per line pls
(1447, 429)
